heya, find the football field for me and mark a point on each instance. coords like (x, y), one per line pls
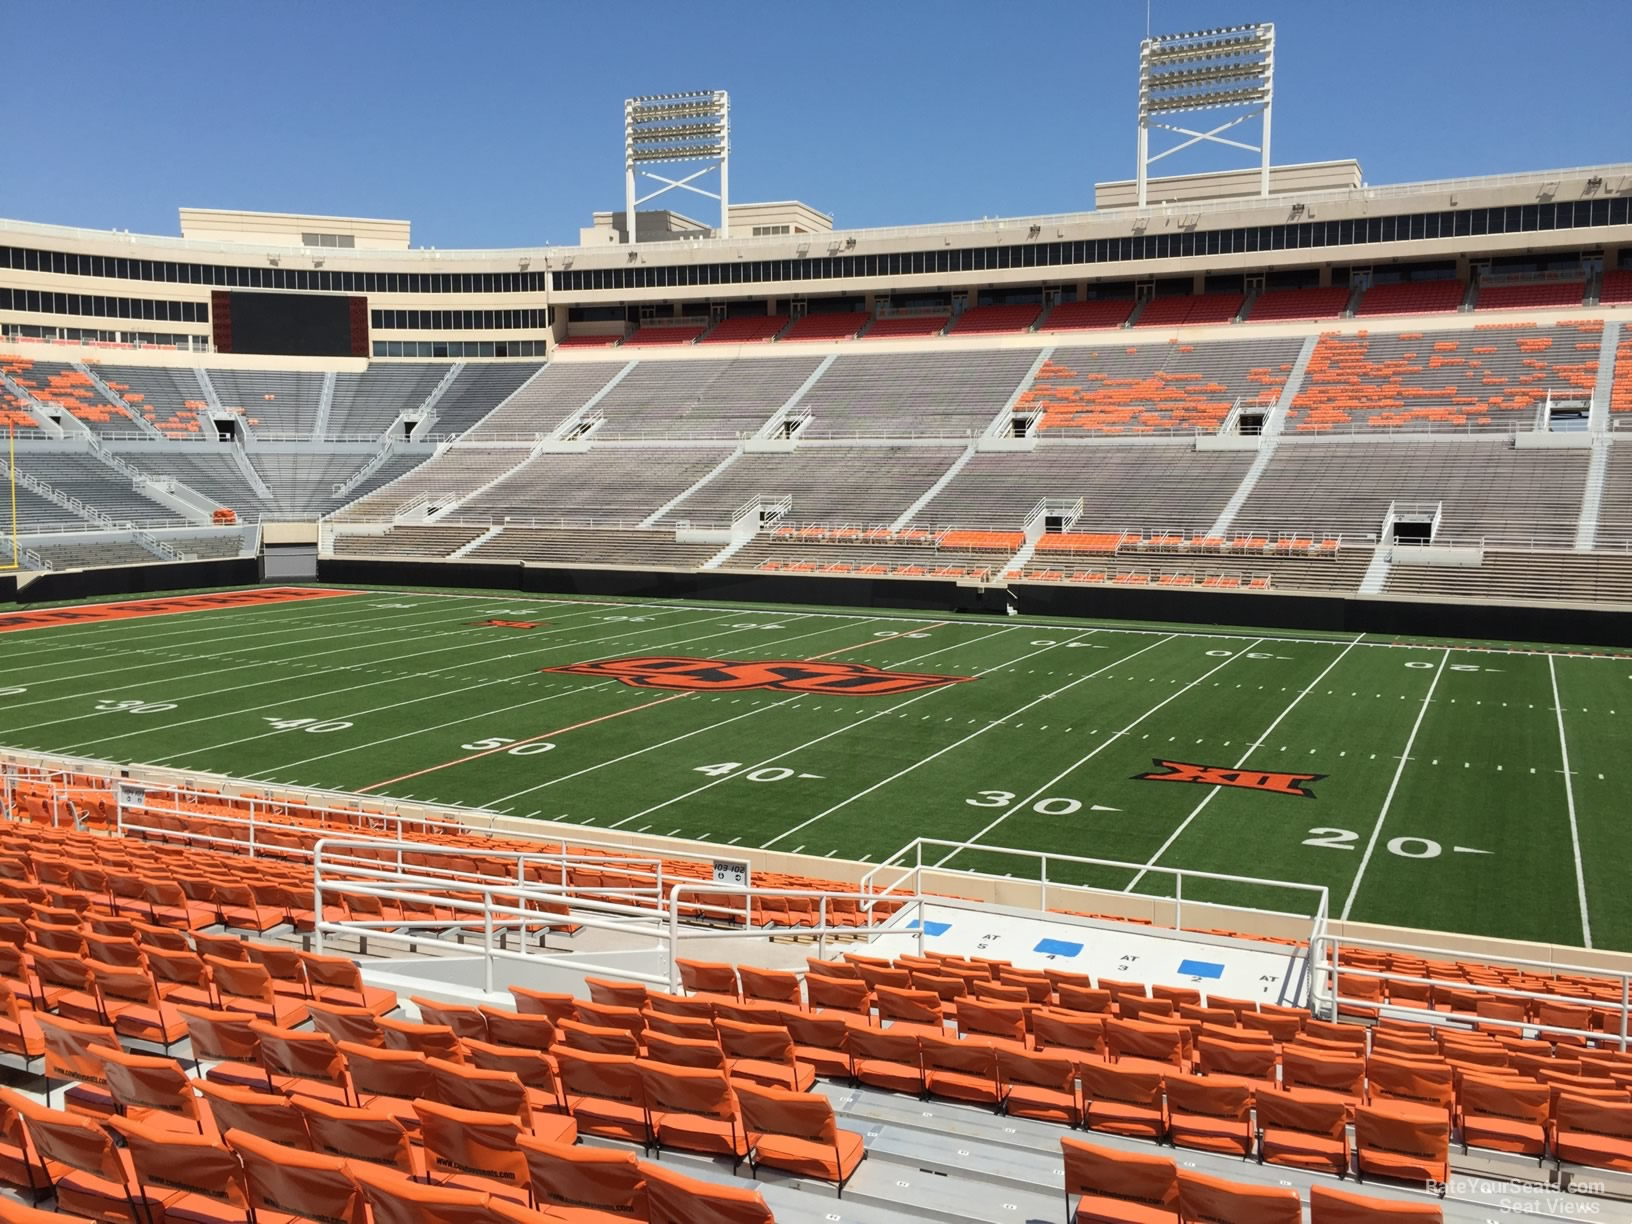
(1444, 785)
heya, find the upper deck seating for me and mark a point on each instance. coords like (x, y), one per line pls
(1413, 297)
(545, 400)
(747, 329)
(1098, 312)
(905, 395)
(991, 320)
(833, 325)
(1616, 289)
(1298, 304)
(652, 334)
(477, 391)
(1539, 295)
(1180, 310)
(898, 327)
(56, 384)
(721, 398)
(366, 404)
(271, 401)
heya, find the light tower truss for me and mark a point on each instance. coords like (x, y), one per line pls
(1206, 70)
(679, 128)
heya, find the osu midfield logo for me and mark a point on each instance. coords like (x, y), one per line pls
(789, 676)
(1224, 775)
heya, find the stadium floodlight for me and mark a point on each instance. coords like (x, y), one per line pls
(1225, 69)
(663, 129)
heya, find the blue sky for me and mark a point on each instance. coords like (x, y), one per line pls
(499, 124)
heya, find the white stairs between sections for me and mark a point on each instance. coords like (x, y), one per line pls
(1267, 441)
(656, 516)
(466, 549)
(325, 406)
(946, 478)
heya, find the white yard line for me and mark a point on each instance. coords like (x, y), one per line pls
(997, 722)
(1251, 748)
(1388, 800)
(385, 624)
(860, 722)
(494, 713)
(397, 679)
(1569, 799)
(1020, 805)
(430, 696)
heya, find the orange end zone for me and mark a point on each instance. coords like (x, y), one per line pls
(85, 614)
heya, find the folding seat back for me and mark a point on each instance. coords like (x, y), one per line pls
(181, 968)
(762, 1053)
(772, 985)
(59, 940)
(471, 1088)
(464, 1020)
(1281, 1028)
(138, 1081)
(1329, 1205)
(431, 1040)
(227, 947)
(350, 1133)
(1404, 1140)
(337, 979)
(526, 1032)
(1212, 1115)
(1053, 1029)
(1087, 999)
(249, 985)
(289, 1181)
(1405, 1045)
(1350, 1035)
(1107, 1177)
(1594, 1132)
(922, 1007)
(376, 1072)
(612, 1015)
(67, 972)
(1340, 1073)
(886, 1058)
(556, 1006)
(114, 950)
(299, 1054)
(822, 1041)
(830, 968)
(960, 1070)
(346, 1023)
(74, 1142)
(605, 1093)
(1038, 1084)
(1107, 1082)
(1212, 1198)
(838, 994)
(70, 1048)
(1404, 1079)
(598, 1039)
(1304, 1130)
(707, 977)
(1504, 1115)
(167, 1161)
(678, 1026)
(1133, 1008)
(693, 1108)
(988, 1018)
(797, 1132)
(616, 994)
(1218, 1057)
(945, 986)
(272, 1116)
(999, 992)
(575, 1178)
(1139, 1039)
(684, 1051)
(674, 1198)
(534, 1068)
(459, 1141)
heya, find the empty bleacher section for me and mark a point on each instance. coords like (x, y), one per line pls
(1616, 289)
(1533, 295)
(615, 485)
(1615, 509)
(914, 394)
(304, 482)
(365, 404)
(95, 484)
(271, 401)
(906, 326)
(446, 477)
(545, 400)
(1524, 576)
(748, 329)
(992, 320)
(1489, 490)
(1412, 297)
(592, 547)
(428, 541)
(1298, 304)
(1075, 316)
(1242, 562)
(58, 385)
(1156, 388)
(660, 335)
(212, 473)
(1166, 486)
(834, 325)
(34, 511)
(169, 399)
(700, 399)
(861, 485)
(1494, 377)
(93, 552)
(867, 554)
(1189, 310)
(477, 391)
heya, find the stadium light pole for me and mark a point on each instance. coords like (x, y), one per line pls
(1231, 68)
(677, 128)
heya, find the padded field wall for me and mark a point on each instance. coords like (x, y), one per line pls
(56, 585)
(1320, 613)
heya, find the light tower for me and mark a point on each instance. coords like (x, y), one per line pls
(680, 127)
(1226, 69)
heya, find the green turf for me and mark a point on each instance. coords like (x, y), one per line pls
(1041, 750)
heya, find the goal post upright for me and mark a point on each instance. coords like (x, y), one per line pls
(1231, 68)
(684, 128)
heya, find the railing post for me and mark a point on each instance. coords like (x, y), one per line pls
(1178, 901)
(821, 928)
(1626, 997)
(252, 826)
(487, 940)
(674, 937)
(317, 900)
(1043, 879)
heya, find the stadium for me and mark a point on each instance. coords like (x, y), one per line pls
(673, 727)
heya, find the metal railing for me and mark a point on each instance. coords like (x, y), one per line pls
(1328, 971)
